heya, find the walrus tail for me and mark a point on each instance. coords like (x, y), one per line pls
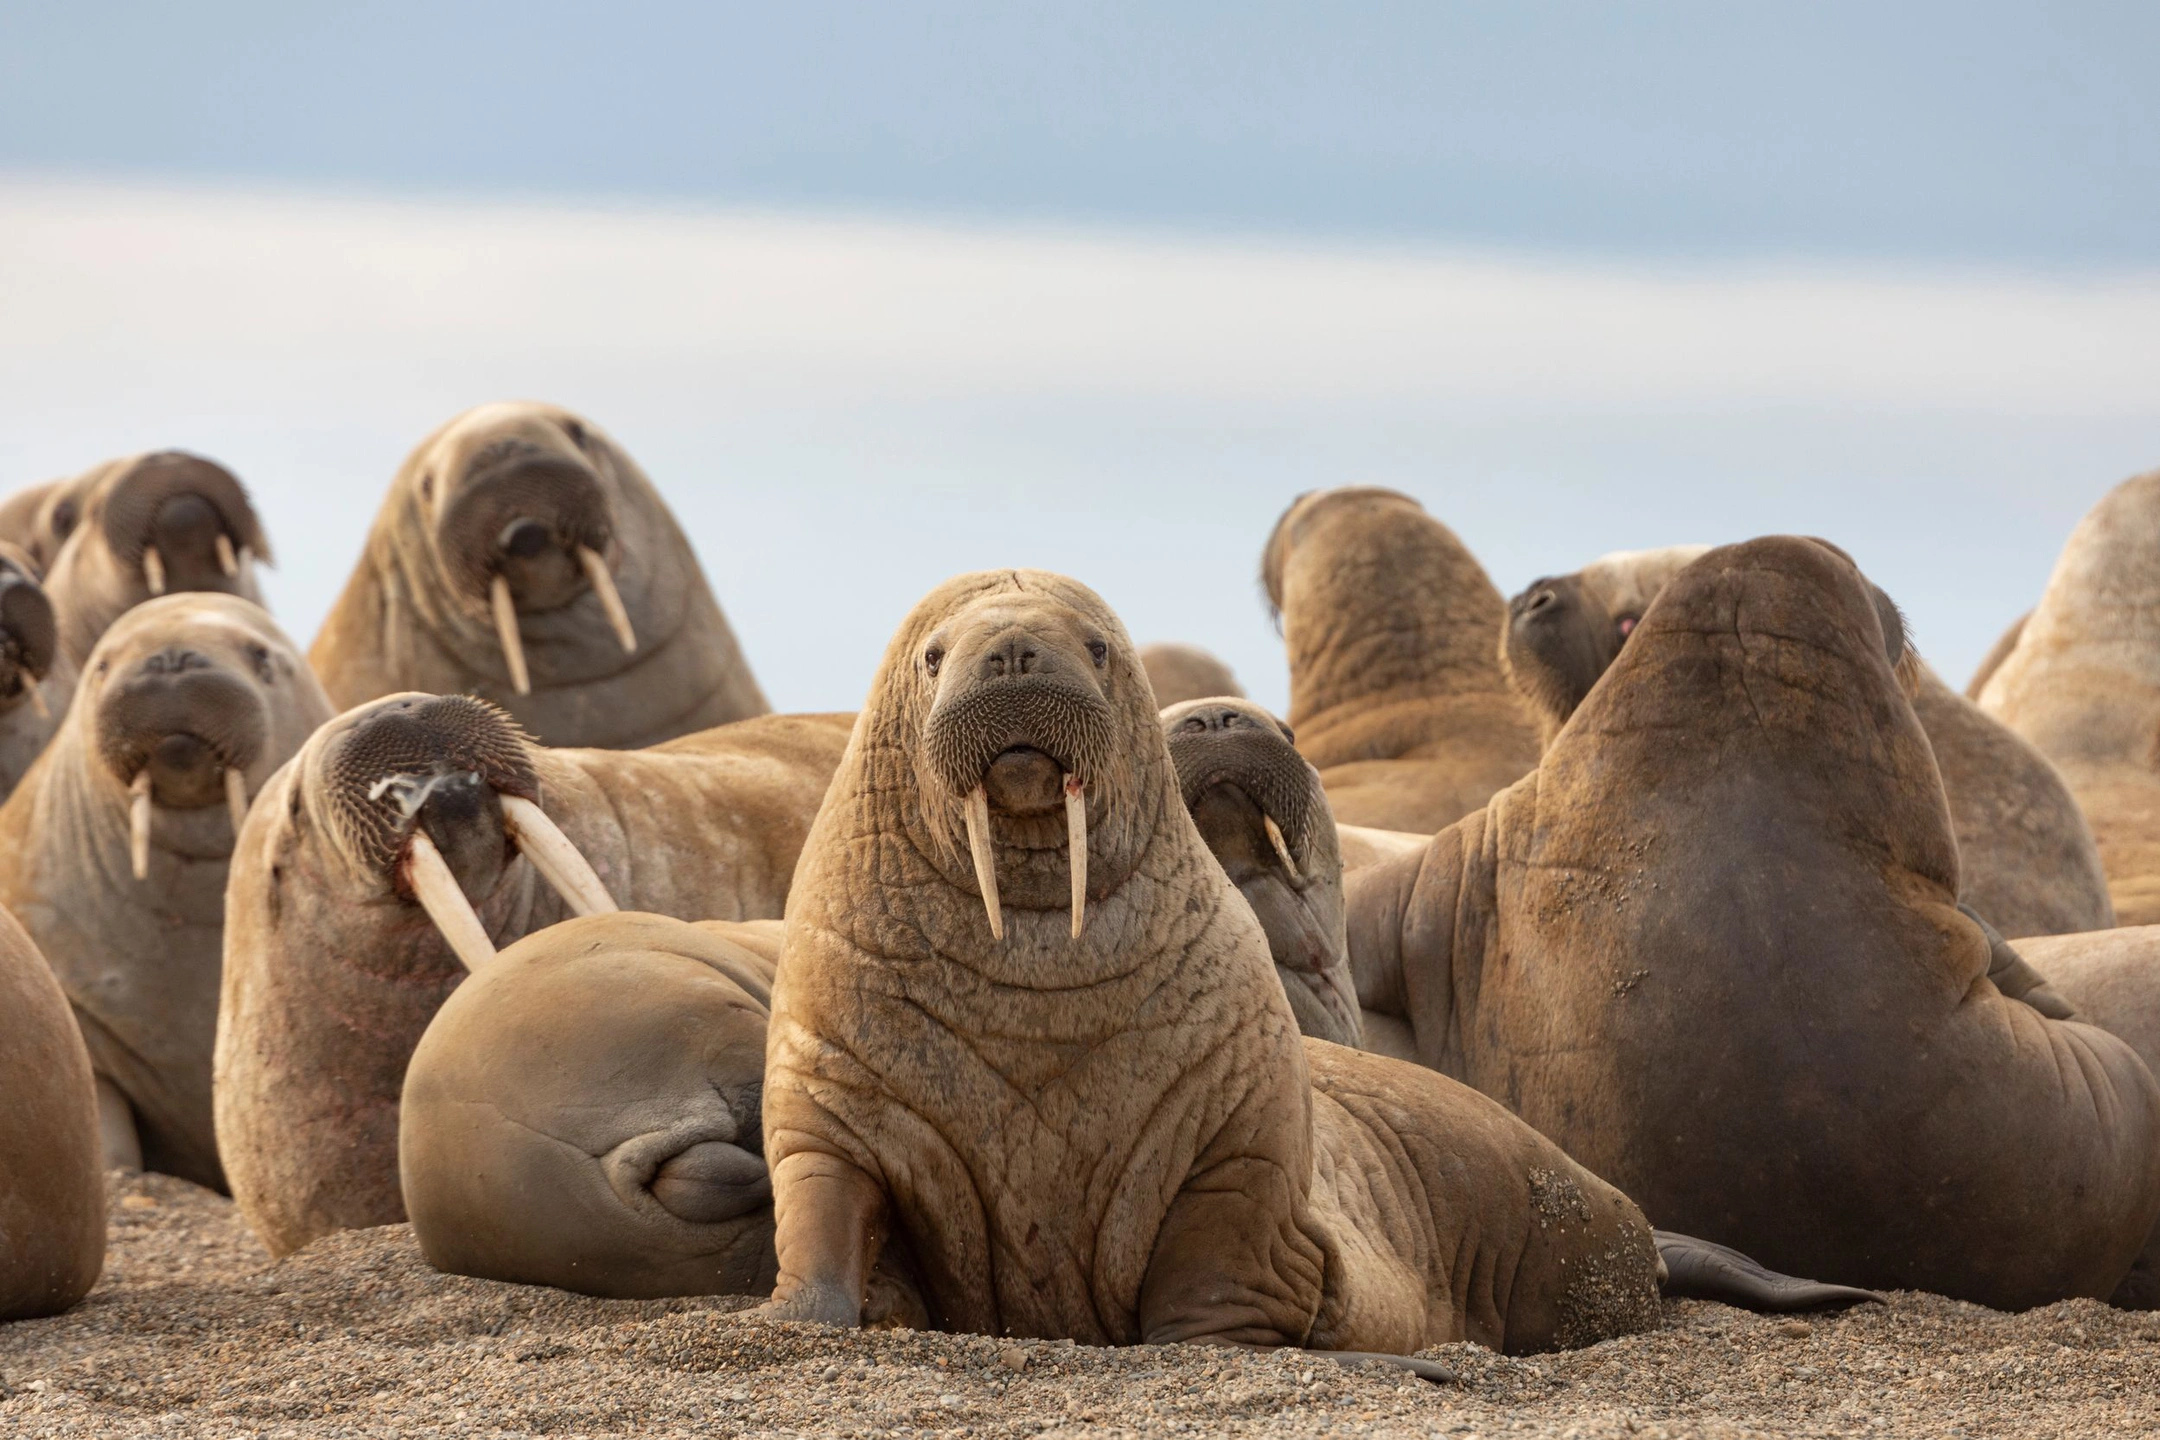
(1695, 1269)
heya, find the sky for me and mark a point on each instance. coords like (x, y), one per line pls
(879, 293)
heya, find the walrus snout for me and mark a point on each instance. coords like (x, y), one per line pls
(185, 523)
(1559, 640)
(1256, 799)
(522, 512)
(184, 720)
(29, 633)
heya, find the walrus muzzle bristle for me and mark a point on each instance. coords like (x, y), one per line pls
(559, 862)
(603, 584)
(236, 798)
(139, 823)
(506, 631)
(153, 569)
(436, 888)
(1282, 847)
(977, 812)
(1076, 848)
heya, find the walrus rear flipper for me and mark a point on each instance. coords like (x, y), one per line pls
(1699, 1270)
(2013, 976)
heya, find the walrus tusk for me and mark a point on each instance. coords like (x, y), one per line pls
(37, 699)
(1076, 848)
(139, 823)
(559, 861)
(236, 797)
(153, 569)
(247, 567)
(1282, 847)
(227, 561)
(978, 828)
(506, 630)
(437, 891)
(603, 585)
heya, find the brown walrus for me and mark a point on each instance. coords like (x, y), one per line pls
(2026, 858)
(1027, 1045)
(2082, 683)
(52, 1190)
(152, 524)
(1712, 948)
(1395, 693)
(114, 850)
(37, 682)
(1185, 672)
(522, 556)
(333, 966)
(38, 519)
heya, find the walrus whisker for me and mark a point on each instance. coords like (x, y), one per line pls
(139, 823)
(437, 890)
(558, 860)
(506, 631)
(1282, 848)
(1076, 848)
(153, 569)
(603, 585)
(978, 832)
(227, 561)
(236, 797)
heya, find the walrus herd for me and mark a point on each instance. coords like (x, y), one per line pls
(1643, 934)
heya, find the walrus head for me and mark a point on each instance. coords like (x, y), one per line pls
(1262, 812)
(29, 633)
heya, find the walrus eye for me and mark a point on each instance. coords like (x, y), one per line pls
(576, 431)
(932, 658)
(427, 486)
(1098, 651)
(259, 656)
(63, 519)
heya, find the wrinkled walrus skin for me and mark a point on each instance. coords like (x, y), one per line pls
(415, 615)
(37, 682)
(1119, 1137)
(1395, 693)
(2026, 858)
(332, 971)
(180, 690)
(1711, 947)
(2082, 683)
(52, 1186)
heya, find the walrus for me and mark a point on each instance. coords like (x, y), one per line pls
(2026, 857)
(522, 556)
(1186, 672)
(37, 683)
(1395, 693)
(114, 850)
(1028, 1046)
(150, 525)
(412, 838)
(52, 1189)
(2082, 683)
(1712, 948)
(38, 519)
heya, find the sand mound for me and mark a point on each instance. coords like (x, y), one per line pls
(193, 1331)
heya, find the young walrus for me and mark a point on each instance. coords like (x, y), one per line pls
(2026, 857)
(522, 556)
(37, 683)
(114, 849)
(415, 817)
(1027, 1044)
(1395, 692)
(1712, 947)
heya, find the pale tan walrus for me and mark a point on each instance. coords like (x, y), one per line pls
(333, 966)
(1712, 947)
(114, 851)
(2082, 683)
(38, 519)
(2026, 858)
(52, 1189)
(1027, 1045)
(1185, 672)
(522, 556)
(1395, 692)
(37, 682)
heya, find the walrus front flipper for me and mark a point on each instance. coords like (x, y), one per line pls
(2016, 979)
(1699, 1270)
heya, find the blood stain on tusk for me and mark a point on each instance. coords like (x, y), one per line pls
(506, 630)
(558, 860)
(153, 569)
(1282, 848)
(978, 832)
(227, 561)
(1076, 849)
(603, 584)
(436, 888)
(236, 798)
(139, 823)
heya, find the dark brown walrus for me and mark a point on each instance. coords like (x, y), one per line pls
(1027, 1046)
(2026, 858)
(1712, 947)
(1395, 692)
(522, 556)
(37, 682)
(114, 850)
(52, 1189)
(334, 966)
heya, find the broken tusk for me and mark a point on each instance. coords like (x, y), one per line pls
(139, 823)
(506, 630)
(1076, 848)
(153, 569)
(1282, 848)
(603, 584)
(978, 831)
(236, 798)
(559, 862)
(436, 888)
(227, 561)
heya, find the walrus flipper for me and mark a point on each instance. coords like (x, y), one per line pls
(2013, 976)
(1700, 1270)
